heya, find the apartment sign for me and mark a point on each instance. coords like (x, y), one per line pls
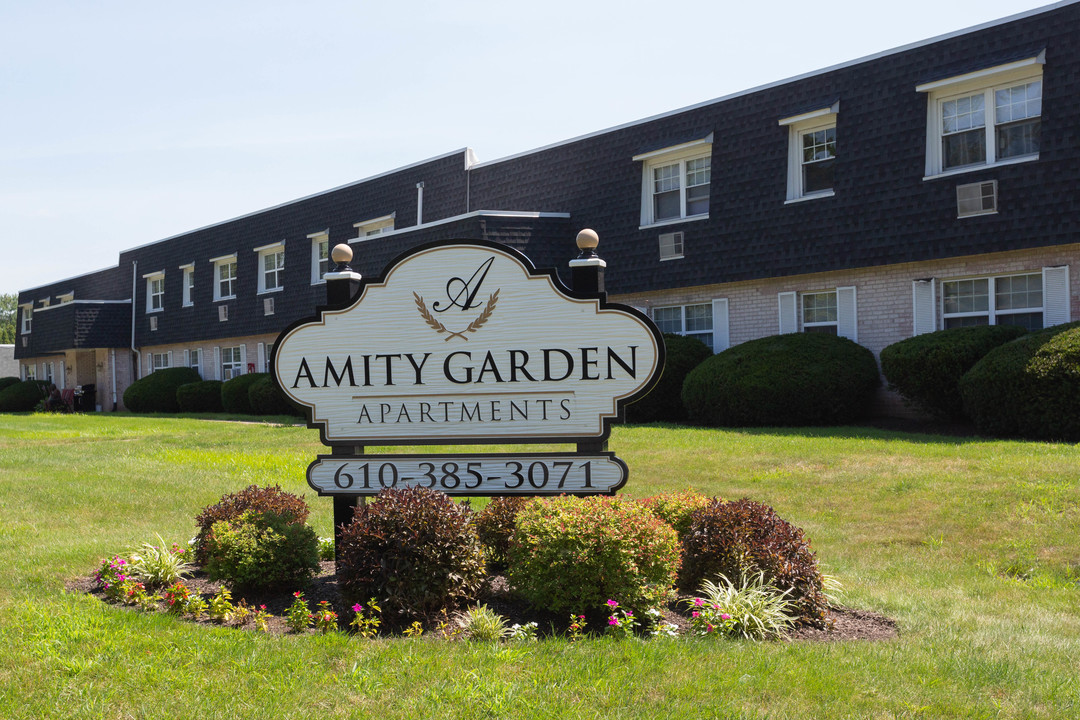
(467, 342)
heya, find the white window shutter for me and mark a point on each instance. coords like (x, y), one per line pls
(721, 338)
(149, 363)
(923, 306)
(788, 312)
(847, 316)
(243, 359)
(217, 363)
(260, 353)
(168, 361)
(1056, 296)
(187, 358)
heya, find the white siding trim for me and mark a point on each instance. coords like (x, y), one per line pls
(1056, 296)
(923, 307)
(721, 336)
(243, 359)
(217, 362)
(847, 316)
(788, 305)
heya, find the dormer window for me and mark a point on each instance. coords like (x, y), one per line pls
(676, 182)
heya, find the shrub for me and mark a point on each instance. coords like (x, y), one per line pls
(8, 381)
(234, 393)
(233, 505)
(157, 391)
(794, 379)
(197, 397)
(676, 508)
(23, 395)
(1028, 387)
(571, 553)
(742, 538)
(926, 369)
(261, 550)
(265, 399)
(664, 401)
(495, 526)
(415, 549)
(483, 624)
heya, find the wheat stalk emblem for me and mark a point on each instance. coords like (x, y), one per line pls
(473, 326)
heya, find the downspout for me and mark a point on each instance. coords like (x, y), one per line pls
(112, 360)
(134, 287)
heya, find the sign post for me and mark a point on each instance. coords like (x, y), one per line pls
(466, 342)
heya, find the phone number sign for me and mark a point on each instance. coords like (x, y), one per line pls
(465, 475)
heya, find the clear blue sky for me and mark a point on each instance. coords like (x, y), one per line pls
(128, 122)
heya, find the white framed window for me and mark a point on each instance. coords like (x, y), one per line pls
(155, 291)
(65, 298)
(689, 320)
(187, 285)
(819, 312)
(232, 362)
(224, 277)
(47, 371)
(320, 256)
(29, 372)
(1002, 300)
(375, 226)
(988, 117)
(824, 311)
(27, 318)
(271, 267)
(675, 183)
(160, 361)
(811, 153)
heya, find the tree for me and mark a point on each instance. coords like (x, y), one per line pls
(8, 306)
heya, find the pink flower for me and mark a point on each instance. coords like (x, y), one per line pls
(725, 616)
(629, 613)
(612, 621)
(297, 594)
(262, 607)
(612, 604)
(709, 627)
(695, 614)
(698, 602)
(357, 607)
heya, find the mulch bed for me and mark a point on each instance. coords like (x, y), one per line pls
(845, 623)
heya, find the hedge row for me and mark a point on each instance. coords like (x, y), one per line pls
(181, 390)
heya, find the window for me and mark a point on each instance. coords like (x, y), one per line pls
(376, 226)
(65, 298)
(47, 369)
(159, 361)
(689, 320)
(224, 277)
(819, 312)
(984, 118)
(27, 318)
(676, 182)
(188, 286)
(1007, 300)
(271, 267)
(232, 362)
(320, 256)
(822, 311)
(29, 372)
(811, 153)
(155, 292)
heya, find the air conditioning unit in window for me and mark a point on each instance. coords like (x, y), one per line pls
(268, 306)
(153, 323)
(671, 245)
(222, 313)
(976, 198)
(24, 343)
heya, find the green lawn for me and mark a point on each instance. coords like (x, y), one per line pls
(972, 546)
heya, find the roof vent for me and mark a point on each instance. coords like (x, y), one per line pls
(24, 343)
(976, 198)
(222, 313)
(153, 323)
(268, 306)
(671, 245)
